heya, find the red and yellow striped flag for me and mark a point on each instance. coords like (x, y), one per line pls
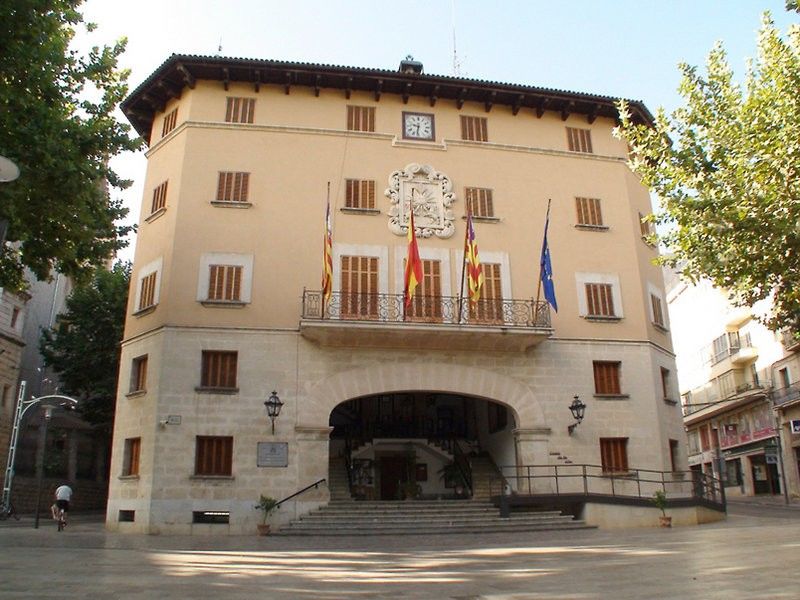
(327, 260)
(474, 268)
(413, 264)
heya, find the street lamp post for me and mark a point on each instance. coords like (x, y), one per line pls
(48, 415)
(51, 401)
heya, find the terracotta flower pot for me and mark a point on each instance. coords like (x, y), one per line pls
(665, 521)
(263, 529)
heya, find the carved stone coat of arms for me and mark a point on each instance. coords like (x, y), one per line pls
(428, 193)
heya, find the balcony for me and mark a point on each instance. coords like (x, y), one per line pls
(785, 395)
(431, 322)
(790, 340)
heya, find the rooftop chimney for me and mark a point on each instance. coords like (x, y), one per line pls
(410, 66)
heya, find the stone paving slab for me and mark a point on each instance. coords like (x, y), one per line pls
(742, 558)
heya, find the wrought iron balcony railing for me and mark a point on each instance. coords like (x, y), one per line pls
(444, 310)
(786, 394)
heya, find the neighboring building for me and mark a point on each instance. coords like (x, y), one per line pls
(732, 372)
(225, 304)
(12, 320)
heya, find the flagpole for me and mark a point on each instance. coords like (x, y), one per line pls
(539, 287)
(463, 268)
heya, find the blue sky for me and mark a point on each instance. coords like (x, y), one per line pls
(613, 47)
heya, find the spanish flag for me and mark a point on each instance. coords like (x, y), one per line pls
(413, 264)
(474, 268)
(327, 258)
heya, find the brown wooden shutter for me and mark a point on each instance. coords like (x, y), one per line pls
(479, 201)
(159, 198)
(658, 313)
(599, 300)
(148, 291)
(427, 302)
(614, 455)
(606, 377)
(219, 369)
(213, 456)
(359, 290)
(489, 309)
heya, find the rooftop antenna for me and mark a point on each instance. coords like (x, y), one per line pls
(219, 47)
(456, 62)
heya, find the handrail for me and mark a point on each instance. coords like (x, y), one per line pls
(305, 489)
(587, 480)
(461, 462)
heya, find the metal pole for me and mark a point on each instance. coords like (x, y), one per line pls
(48, 413)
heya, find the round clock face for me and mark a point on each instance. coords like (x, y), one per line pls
(419, 127)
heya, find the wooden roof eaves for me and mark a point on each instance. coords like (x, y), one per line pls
(181, 70)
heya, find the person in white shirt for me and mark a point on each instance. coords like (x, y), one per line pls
(63, 496)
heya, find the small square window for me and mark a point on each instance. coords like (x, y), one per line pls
(360, 193)
(240, 110)
(579, 140)
(139, 374)
(147, 293)
(170, 120)
(130, 465)
(233, 186)
(479, 202)
(589, 213)
(607, 378)
(219, 369)
(474, 129)
(213, 456)
(159, 198)
(614, 455)
(361, 118)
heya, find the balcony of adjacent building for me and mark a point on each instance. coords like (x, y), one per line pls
(790, 340)
(786, 395)
(730, 350)
(734, 387)
(431, 322)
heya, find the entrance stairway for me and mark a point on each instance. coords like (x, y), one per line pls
(422, 517)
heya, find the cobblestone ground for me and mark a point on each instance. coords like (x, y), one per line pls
(745, 557)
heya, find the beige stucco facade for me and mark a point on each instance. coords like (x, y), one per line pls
(297, 143)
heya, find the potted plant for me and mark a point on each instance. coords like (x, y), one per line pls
(267, 506)
(453, 477)
(660, 501)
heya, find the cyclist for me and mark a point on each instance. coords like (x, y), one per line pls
(63, 496)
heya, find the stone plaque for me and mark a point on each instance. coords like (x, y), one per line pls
(273, 454)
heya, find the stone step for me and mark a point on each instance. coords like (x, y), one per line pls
(471, 528)
(355, 523)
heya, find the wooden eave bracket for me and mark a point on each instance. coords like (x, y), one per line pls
(257, 81)
(490, 101)
(170, 89)
(592, 116)
(567, 109)
(378, 90)
(348, 89)
(434, 96)
(542, 106)
(407, 92)
(188, 78)
(317, 85)
(157, 104)
(462, 96)
(287, 86)
(226, 78)
(517, 104)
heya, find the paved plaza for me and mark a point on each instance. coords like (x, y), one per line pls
(752, 555)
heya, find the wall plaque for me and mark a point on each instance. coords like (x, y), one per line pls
(273, 454)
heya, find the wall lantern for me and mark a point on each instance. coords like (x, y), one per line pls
(273, 404)
(577, 408)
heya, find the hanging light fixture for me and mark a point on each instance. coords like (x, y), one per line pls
(577, 408)
(273, 405)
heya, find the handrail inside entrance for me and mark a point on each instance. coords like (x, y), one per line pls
(305, 489)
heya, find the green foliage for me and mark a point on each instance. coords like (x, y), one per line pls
(267, 506)
(57, 125)
(659, 499)
(726, 169)
(85, 348)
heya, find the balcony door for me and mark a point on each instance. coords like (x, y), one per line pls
(489, 309)
(426, 306)
(359, 287)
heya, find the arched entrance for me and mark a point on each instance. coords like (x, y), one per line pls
(418, 444)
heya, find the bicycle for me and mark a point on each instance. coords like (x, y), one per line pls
(61, 517)
(9, 511)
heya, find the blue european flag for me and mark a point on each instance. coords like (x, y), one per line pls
(546, 269)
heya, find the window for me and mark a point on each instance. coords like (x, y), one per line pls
(673, 454)
(474, 129)
(359, 288)
(225, 283)
(645, 228)
(783, 375)
(169, 122)
(219, 369)
(159, 198)
(599, 300)
(658, 311)
(240, 110)
(589, 213)
(232, 187)
(614, 455)
(139, 374)
(360, 193)
(213, 456)
(705, 444)
(665, 383)
(489, 309)
(606, 378)
(579, 140)
(130, 463)
(147, 293)
(14, 317)
(479, 202)
(361, 118)
(426, 305)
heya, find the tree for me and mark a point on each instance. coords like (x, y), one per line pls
(85, 348)
(726, 168)
(56, 124)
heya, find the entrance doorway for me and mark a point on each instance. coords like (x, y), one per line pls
(392, 476)
(765, 476)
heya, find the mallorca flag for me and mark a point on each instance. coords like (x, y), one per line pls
(474, 268)
(327, 260)
(413, 264)
(546, 269)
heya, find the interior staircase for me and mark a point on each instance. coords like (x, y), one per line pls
(422, 517)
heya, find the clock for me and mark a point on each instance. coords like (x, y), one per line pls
(418, 126)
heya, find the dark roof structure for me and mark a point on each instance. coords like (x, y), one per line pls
(181, 70)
